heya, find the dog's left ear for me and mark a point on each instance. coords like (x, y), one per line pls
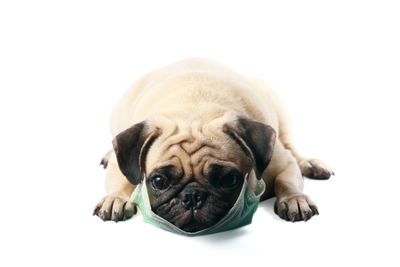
(256, 139)
(131, 147)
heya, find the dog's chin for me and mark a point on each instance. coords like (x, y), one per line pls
(192, 220)
(191, 226)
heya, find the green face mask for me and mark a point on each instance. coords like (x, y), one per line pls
(239, 215)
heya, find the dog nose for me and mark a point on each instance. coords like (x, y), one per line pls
(192, 198)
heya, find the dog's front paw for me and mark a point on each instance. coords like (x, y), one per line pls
(115, 208)
(295, 208)
(315, 169)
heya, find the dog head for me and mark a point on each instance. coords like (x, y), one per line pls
(194, 171)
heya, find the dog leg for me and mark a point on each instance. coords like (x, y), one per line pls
(116, 205)
(291, 204)
(310, 168)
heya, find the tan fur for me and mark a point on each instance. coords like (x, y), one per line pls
(190, 101)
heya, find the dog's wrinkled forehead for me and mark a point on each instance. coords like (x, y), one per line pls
(193, 148)
(243, 142)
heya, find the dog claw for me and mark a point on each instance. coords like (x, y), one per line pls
(104, 215)
(315, 210)
(105, 158)
(96, 210)
(293, 216)
(307, 215)
(103, 163)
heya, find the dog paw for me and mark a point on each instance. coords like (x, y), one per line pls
(315, 169)
(115, 208)
(297, 207)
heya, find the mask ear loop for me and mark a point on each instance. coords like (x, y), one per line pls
(135, 196)
(252, 180)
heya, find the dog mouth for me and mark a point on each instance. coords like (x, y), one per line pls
(189, 221)
(192, 220)
(193, 227)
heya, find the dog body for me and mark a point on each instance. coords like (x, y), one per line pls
(197, 120)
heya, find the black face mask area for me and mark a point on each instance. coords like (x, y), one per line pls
(239, 215)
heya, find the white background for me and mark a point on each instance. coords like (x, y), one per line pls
(64, 64)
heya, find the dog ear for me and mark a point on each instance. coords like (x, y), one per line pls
(256, 139)
(131, 147)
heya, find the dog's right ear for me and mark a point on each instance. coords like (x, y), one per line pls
(131, 147)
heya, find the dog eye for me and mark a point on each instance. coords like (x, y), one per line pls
(228, 181)
(159, 182)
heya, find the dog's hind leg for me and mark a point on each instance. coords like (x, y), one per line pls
(311, 168)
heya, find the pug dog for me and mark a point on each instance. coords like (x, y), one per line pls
(192, 131)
